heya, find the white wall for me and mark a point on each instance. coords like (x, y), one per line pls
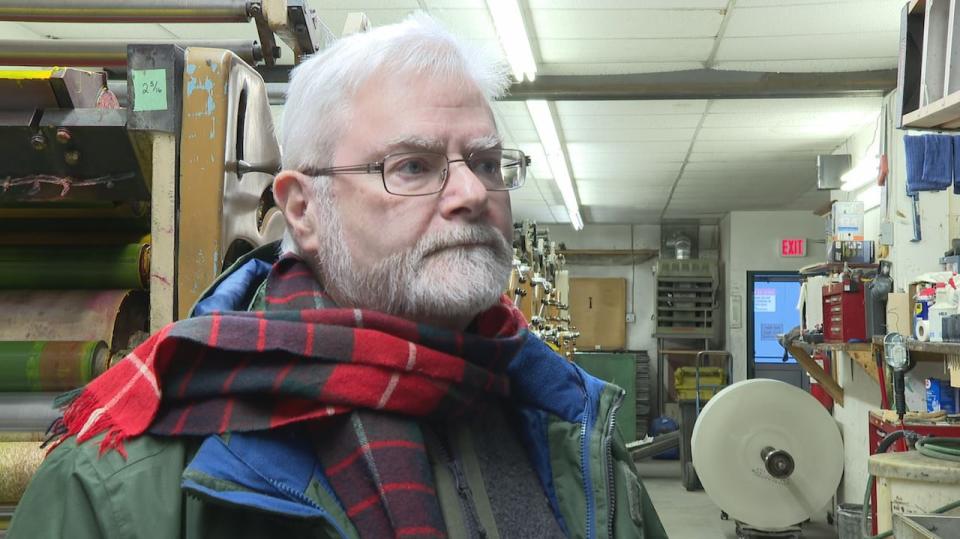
(750, 241)
(640, 279)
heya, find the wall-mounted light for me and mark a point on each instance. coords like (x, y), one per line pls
(870, 197)
(865, 171)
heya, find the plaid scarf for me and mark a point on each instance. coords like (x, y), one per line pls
(293, 362)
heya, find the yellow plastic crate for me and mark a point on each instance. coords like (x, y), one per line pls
(712, 379)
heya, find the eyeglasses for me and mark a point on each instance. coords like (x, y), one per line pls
(425, 173)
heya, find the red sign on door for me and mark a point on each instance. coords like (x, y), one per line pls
(793, 247)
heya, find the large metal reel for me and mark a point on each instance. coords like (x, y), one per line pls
(767, 453)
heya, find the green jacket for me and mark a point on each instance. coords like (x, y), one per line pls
(267, 484)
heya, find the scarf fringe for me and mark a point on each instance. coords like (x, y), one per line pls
(87, 419)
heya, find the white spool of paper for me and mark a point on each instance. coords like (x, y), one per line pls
(922, 330)
(730, 437)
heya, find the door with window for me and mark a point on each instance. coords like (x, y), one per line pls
(773, 311)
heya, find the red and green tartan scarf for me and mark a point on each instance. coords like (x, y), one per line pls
(367, 377)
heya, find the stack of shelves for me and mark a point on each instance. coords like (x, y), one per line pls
(643, 393)
(929, 72)
(686, 298)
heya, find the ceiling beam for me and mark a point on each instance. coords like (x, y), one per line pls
(706, 84)
(692, 84)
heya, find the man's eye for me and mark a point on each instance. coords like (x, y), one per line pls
(413, 167)
(486, 166)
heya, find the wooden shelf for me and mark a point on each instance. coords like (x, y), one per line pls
(827, 268)
(942, 113)
(862, 354)
(844, 347)
(931, 348)
(917, 7)
(599, 256)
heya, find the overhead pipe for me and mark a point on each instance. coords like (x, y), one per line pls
(96, 53)
(137, 11)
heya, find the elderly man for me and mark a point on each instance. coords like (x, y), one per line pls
(371, 382)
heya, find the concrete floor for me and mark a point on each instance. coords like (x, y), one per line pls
(692, 515)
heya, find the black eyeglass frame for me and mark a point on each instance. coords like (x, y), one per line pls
(377, 167)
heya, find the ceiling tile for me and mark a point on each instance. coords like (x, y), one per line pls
(511, 108)
(533, 212)
(472, 24)
(811, 47)
(825, 121)
(810, 65)
(825, 131)
(613, 68)
(630, 108)
(619, 214)
(626, 135)
(646, 121)
(368, 5)
(748, 166)
(636, 148)
(794, 105)
(624, 50)
(783, 19)
(619, 166)
(770, 145)
(639, 176)
(625, 23)
(617, 5)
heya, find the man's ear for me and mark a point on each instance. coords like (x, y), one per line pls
(294, 195)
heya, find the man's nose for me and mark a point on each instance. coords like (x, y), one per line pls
(464, 195)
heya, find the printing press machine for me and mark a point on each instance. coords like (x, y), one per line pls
(122, 200)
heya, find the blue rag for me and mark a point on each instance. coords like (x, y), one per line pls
(938, 161)
(956, 165)
(913, 148)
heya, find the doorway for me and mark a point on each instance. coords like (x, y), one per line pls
(772, 311)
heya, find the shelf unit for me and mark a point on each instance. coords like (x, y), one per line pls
(928, 73)
(686, 299)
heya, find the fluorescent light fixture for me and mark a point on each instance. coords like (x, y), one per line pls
(863, 173)
(556, 157)
(508, 20)
(870, 197)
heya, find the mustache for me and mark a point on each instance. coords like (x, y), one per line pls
(473, 235)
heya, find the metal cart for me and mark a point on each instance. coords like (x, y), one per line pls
(689, 410)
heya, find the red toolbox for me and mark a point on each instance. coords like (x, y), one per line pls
(844, 319)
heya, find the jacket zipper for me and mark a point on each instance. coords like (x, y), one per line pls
(296, 496)
(585, 468)
(608, 454)
(471, 518)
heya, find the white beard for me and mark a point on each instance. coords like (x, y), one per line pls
(437, 278)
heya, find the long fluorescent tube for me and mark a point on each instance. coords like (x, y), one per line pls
(556, 157)
(866, 170)
(508, 20)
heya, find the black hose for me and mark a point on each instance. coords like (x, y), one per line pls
(882, 447)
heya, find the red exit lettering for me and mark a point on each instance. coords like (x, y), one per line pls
(793, 247)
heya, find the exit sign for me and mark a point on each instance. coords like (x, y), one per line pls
(793, 247)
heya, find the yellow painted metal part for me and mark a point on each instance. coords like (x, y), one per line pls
(27, 74)
(226, 118)
(202, 169)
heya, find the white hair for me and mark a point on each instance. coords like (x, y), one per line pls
(321, 90)
(322, 87)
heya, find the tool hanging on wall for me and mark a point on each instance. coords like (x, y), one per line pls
(539, 286)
